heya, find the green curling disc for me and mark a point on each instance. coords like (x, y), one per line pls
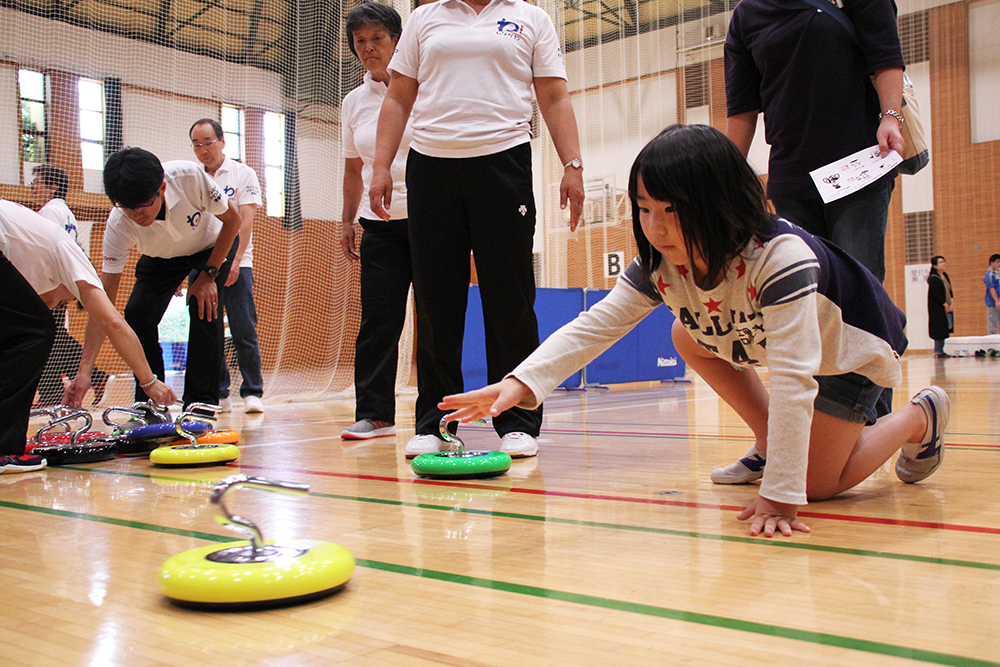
(461, 465)
(193, 455)
(290, 573)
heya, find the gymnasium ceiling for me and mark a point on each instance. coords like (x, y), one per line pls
(257, 32)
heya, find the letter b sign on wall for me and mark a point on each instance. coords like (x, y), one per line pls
(614, 264)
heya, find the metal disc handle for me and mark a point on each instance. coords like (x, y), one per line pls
(447, 436)
(132, 413)
(241, 524)
(65, 420)
(190, 415)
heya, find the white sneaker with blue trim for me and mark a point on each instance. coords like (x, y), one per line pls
(748, 469)
(918, 460)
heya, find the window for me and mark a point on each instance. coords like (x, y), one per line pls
(918, 237)
(274, 163)
(232, 132)
(91, 100)
(34, 89)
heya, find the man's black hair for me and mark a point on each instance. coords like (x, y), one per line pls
(50, 175)
(216, 127)
(132, 176)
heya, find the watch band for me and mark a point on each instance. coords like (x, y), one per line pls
(895, 114)
(575, 163)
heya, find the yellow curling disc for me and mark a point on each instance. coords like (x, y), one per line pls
(301, 570)
(193, 455)
(226, 437)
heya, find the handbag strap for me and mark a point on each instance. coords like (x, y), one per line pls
(838, 14)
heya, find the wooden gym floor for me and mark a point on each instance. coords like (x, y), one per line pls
(612, 547)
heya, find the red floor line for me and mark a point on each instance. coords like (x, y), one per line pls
(644, 501)
(718, 436)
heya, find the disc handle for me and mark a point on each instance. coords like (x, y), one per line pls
(447, 436)
(241, 524)
(131, 413)
(65, 420)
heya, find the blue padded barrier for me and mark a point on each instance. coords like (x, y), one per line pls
(553, 308)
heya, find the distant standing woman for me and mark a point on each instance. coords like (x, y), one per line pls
(372, 33)
(466, 69)
(940, 297)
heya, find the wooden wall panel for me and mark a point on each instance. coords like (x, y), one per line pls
(966, 175)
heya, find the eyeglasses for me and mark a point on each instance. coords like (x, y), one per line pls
(140, 206)
(197, 144)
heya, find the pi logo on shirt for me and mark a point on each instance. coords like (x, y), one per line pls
(229, 190)
(194, 219)
(509, 29)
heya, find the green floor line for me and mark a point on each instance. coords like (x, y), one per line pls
(854, 644)
(868, 553)
(825, 639)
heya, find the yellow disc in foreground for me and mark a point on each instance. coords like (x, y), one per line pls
(193, 455)
(301, 570)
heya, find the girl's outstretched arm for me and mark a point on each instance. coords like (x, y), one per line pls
(489, 401)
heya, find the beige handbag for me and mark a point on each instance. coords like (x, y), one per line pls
(916, 154)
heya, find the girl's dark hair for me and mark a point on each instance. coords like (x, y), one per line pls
(935, 259)
(720, 201)
(376, 14)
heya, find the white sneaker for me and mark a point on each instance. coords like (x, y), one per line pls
(918, 460)
(425, 444)
(366, 428)
(748, 469)
(519, 445)
(226, 404)
(252, 405)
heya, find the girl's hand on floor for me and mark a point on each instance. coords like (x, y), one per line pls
(769, 516)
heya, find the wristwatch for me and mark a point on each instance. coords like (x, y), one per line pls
(575, 163)
(213, 272)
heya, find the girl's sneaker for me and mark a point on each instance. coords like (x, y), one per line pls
(748, 469)
(917, 460)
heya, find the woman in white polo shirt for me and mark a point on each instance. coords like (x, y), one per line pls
(373, 31)
(466, 69)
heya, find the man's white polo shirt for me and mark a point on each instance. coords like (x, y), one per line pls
(240, 183)
(191, 196)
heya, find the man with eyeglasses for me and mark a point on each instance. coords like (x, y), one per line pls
(184, 226)
(241, 185)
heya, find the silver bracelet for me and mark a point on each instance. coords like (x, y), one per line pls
(144, 385)
(895, 114)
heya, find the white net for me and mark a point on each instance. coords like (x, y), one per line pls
(275, 72)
